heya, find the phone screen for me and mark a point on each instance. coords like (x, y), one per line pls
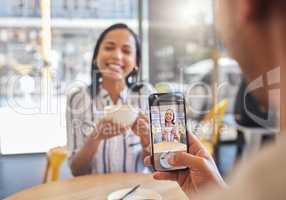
(168, 129)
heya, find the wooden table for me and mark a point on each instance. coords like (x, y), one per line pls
(169, 146)
(98, 187)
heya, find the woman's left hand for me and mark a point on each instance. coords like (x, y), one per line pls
(141, 128)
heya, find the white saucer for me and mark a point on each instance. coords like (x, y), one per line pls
(139, 194)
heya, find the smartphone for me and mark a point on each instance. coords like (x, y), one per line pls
(168, 127)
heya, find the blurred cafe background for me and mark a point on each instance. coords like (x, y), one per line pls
(46, 47)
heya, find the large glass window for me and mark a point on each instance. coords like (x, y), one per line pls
(33, 122)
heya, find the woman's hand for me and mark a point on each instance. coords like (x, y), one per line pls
(202, 168)
(165, 135)
(106, 129)
(141, 128)
(175, 134)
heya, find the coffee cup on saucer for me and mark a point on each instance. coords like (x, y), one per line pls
(121, 114)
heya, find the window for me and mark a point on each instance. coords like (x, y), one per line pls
(36, 122)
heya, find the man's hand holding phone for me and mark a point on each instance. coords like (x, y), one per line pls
(202, 168)
(167, 114)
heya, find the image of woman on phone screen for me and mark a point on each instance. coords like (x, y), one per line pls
(170, 132)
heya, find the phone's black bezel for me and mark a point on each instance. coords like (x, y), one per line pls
(167, 97)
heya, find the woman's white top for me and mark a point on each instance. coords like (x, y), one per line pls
(122, 153)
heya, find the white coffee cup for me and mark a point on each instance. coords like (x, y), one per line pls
(121, 114)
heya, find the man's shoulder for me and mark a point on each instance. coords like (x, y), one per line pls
(261, 177)
(264, 174)
(269, 157)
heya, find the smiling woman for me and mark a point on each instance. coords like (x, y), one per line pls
(116, 55)
(108, 146)
(118, 44)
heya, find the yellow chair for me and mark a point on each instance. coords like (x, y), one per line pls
(55, 158)
(215, 119)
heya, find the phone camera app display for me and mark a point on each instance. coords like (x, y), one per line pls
(169, 133)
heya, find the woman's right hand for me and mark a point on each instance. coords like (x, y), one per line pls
(107, 128)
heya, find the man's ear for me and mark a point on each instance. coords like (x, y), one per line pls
(250, 10)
